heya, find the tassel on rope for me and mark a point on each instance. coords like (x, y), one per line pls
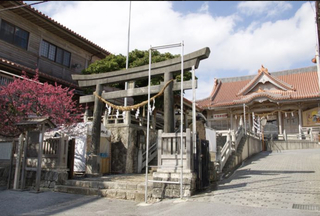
(153, 106)
(137, 113)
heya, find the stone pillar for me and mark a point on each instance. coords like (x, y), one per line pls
(231, 120)
(185, 117)
(18, 162)
(86, 114)
(127, 119)
(253, 123)
(38, 176)
(280, 122)
(96, 130)
(128, 141)
(249, 121)
(168, 105)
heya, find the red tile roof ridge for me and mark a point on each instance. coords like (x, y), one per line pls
(215, 89)
(271, 77)
(274, 73)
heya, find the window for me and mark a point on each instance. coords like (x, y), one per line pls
(14, 35)
(55, 53)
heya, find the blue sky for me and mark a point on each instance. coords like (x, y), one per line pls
(241, 35)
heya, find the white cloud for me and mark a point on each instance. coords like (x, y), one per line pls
(270, 8)
(204, 8)
(277, 45)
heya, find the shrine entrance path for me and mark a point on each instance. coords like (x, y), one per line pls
(288, 180)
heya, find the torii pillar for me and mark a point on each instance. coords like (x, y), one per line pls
(168, 103)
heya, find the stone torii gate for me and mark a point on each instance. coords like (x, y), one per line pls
(166, 68)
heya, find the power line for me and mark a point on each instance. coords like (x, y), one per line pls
(20, 6)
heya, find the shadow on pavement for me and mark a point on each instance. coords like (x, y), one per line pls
(43, 203)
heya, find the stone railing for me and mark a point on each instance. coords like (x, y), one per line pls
(120, 120)
(238, 135)
(54, 154)
(232, 142)
(311, 134)
(142, 156)
(223, 153)
(169, 151)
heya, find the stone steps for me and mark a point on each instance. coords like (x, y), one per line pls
(138, 196)
(77, 190)
(129, 190)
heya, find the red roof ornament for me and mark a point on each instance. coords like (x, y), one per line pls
(263, 69)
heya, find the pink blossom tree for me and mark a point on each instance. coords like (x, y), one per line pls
(27, 97)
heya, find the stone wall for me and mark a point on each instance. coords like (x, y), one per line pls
(169, 190)
(125, 146)
(291, 145)
(49, 178)
(251, 147)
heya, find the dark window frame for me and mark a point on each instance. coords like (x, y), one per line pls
(55, 53)
(19, 37)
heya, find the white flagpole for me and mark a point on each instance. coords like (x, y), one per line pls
(127, 60)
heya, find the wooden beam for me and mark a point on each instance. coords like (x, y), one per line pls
(136, 91)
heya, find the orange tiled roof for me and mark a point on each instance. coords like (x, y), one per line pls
(298, 83)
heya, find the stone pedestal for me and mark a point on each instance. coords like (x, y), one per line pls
(169, 190)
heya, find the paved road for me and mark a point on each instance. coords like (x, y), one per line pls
(287, 179)
(278, 183)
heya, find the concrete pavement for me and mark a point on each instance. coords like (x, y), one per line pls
(278, 183)
(287, 179)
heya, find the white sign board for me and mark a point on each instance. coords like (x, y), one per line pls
(220, 116)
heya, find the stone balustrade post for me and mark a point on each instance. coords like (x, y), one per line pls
(218, 157)
(233, 140)
(140, 159)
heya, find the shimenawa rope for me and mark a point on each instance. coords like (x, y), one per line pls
(136, 106)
